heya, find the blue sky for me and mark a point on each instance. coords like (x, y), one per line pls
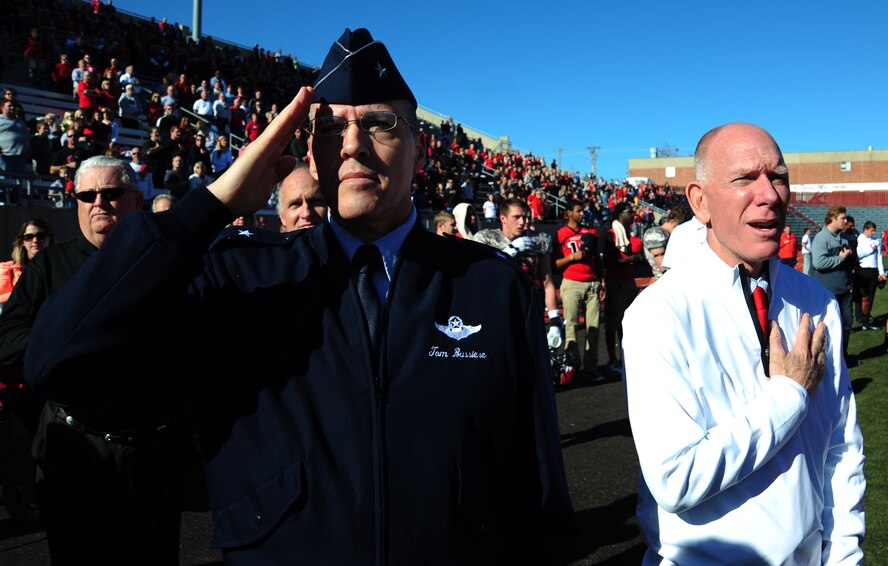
(621, 75)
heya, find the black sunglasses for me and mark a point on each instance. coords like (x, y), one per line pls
(109, 194)
(40, 236)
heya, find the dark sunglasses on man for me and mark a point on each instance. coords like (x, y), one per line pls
(109, 194)
(39, 236)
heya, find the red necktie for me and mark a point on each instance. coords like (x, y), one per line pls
(761, 309)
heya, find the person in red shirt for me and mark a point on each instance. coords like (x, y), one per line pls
(183, 85)
(788, 251)
(237, 117)
(61, 75)
(535, 204)
(577, 256)
(112, 71)
(253, 128)
(620, 194)
(88, 94)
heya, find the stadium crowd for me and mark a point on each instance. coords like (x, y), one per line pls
(202, 102)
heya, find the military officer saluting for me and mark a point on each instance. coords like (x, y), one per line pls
(332, 434)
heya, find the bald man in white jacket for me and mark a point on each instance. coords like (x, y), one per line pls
(747, 437)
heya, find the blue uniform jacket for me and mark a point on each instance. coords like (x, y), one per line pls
(446, 451)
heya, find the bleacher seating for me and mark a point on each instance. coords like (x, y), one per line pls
(817, 213)
(38, 103)
(29, 190)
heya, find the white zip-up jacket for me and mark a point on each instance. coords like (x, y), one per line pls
(738, 467)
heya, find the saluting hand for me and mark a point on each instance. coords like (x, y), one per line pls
(246, 186)
(805, 363)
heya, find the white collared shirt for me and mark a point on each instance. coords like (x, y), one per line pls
(869, 253)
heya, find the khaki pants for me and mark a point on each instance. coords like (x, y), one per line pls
(577, 297)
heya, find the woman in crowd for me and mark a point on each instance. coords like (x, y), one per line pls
(155, 108)
(221, 157)
(34, 235)
(67, 122)
(108, 95)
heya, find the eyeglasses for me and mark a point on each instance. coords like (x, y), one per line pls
(377, 124)
(110, 194)
(39, 236)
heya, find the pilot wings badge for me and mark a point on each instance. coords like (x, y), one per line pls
(456, 329)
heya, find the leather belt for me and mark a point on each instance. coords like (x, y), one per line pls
(113, 438)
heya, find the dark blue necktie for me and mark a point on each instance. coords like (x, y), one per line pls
(365, 263)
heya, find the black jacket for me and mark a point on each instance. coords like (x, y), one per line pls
(446, 452)
(44, 275)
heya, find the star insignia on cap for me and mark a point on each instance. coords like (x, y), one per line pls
(246, 233)
(380, 69)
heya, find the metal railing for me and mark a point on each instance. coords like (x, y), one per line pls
(31, 189)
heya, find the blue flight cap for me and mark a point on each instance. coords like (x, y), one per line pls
(359, 70)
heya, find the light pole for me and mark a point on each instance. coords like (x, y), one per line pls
(593, 157)
(195, 21)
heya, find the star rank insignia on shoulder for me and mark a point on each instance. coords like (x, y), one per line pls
(232, 236)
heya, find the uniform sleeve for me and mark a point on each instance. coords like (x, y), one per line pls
(844, 523)
(685, 459)
(551, 530)
(124, 296)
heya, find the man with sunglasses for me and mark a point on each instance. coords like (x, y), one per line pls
(69, 156)
(104, 473)
(97, 216)
(391, 402)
